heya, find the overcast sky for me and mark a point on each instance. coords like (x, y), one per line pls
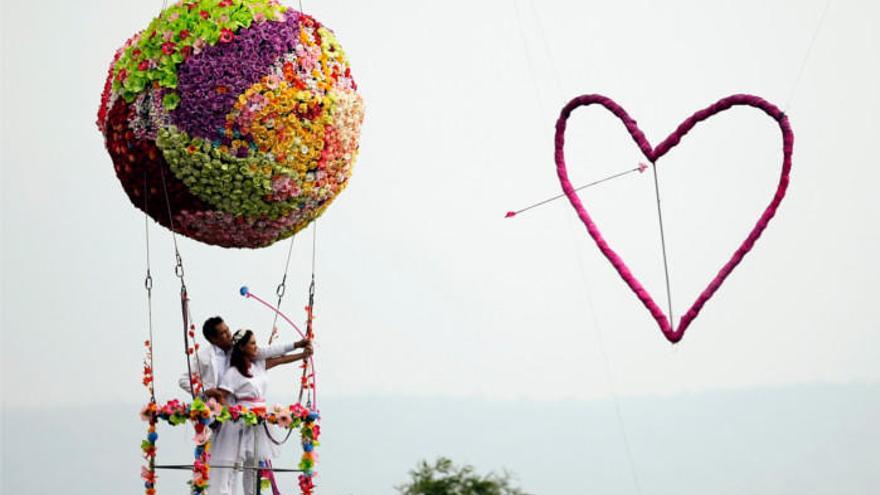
(424, 289)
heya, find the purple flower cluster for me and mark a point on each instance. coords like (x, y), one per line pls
(209, 83)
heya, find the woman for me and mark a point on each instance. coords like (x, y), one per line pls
(245, 384)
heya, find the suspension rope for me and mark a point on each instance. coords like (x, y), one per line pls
(280, 290)
(184, 296)
(148, 286)
(307, 375)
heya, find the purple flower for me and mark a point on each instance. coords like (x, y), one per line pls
(235, 65)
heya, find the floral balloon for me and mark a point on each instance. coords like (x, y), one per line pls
(234, 122)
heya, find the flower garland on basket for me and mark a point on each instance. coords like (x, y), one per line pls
(309, 433)
(148, 445)
(204, 413)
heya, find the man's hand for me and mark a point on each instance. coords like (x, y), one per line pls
(303, 344)
(214, 393)
(308, 351)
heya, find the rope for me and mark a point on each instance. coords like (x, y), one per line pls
(272, 439)
(663, 244)
(281, 289)
(304, 384)
(184, 297)
(148, 286)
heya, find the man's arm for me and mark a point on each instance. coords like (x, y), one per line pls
(200, 368)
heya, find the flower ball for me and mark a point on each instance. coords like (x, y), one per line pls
(232, 122)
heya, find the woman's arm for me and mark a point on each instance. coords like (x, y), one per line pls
(290, 358)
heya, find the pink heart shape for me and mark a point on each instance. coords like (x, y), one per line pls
(654, 154)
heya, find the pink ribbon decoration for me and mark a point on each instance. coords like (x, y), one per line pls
(653, 154)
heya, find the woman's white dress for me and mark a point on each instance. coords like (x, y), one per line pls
(234, 442)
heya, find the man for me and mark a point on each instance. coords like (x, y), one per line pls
(212, 361)
(211, 364)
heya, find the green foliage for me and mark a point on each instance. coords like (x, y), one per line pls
(444, 478)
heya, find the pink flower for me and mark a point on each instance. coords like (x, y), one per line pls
(226, 35)
(259, 17)
(214, 406)
(284, 419)
(272, 81)
(147, 475)
(299, 411)
(199, 45)
(202, 437)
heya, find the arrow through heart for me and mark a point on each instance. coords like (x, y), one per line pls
(653, 154)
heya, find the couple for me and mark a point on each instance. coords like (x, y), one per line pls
(233, 371)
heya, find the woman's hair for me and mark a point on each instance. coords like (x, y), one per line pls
(238, 359)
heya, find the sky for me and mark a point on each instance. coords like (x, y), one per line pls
(426, 293)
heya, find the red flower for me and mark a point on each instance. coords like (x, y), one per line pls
(168, 47)
(184, 34)
(225, 3)
(204, 14)
(144, 65)
(122, 75)
(226, 35)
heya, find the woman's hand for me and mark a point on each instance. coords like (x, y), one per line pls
(290, 358)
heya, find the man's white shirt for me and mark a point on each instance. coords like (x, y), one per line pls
(211, 363)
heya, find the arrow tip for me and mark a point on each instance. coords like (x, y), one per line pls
(510, 214)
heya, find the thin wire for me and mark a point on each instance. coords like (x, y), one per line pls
(663, 245)
(547, 50)
(597, 329)
(806, 57)
(606, 361)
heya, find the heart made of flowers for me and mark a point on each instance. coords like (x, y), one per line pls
(653, 154)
